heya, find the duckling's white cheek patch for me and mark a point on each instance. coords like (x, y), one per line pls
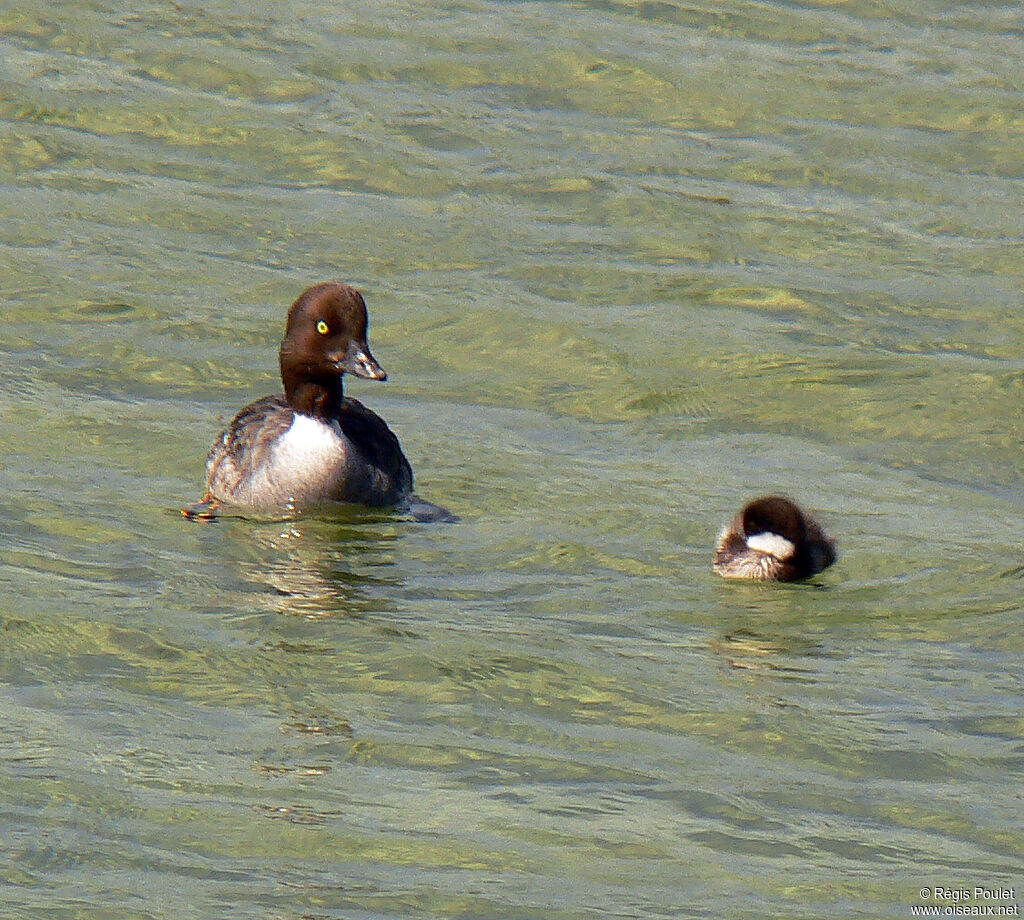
(772, 544)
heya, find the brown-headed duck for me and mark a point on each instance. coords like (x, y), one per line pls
(771, 539)
(312, 446)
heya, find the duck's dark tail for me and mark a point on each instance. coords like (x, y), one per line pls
(428, 513)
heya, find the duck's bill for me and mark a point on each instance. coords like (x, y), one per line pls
(359, 362)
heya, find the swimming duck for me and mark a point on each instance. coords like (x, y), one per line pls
(771, 539)
(313, 445)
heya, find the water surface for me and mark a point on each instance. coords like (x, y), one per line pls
(627, 264)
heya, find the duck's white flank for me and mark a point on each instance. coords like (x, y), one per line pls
(772, 544)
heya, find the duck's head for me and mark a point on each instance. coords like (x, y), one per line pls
(325, 338)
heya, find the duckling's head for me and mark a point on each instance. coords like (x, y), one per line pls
(771, 539)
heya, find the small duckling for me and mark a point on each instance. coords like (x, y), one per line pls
(771, 539)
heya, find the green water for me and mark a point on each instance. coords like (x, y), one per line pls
(627, 265)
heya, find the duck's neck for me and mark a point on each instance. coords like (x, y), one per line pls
(318, 398)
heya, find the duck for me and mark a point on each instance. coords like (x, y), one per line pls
(312, 446)
(772, 539)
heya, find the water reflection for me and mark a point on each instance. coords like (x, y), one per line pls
(321, 569)
(749, 651)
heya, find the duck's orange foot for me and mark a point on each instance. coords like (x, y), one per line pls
(206, 510)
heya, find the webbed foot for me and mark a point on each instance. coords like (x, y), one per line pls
(205, 510)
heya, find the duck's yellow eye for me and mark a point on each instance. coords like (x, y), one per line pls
(322, 328)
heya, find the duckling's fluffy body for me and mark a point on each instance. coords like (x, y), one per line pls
(772, 539)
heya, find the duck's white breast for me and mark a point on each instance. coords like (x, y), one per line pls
(310, 444)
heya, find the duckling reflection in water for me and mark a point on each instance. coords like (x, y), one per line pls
(771, 539)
